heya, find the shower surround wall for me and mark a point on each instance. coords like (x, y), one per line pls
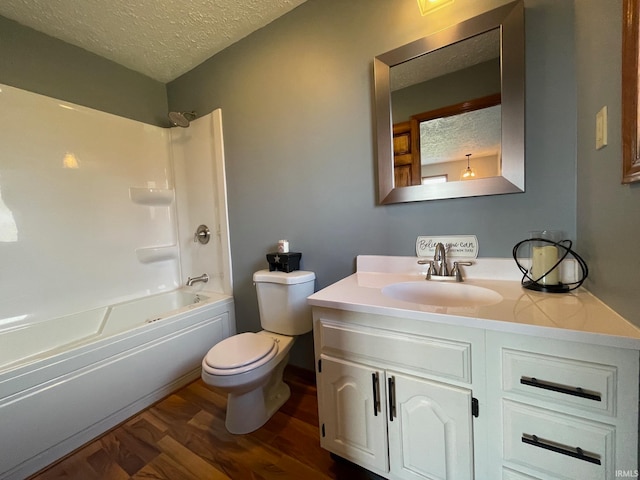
(66, 174)
(91, 216)
(88, 210)
(202, 199)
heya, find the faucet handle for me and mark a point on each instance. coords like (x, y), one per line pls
(456, 272)
(432, 270)
(432, 267)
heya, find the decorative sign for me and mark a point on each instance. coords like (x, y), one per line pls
(456, 246)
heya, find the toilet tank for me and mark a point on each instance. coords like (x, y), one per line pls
(282, 301)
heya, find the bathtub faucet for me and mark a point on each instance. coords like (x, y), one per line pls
(204, 278)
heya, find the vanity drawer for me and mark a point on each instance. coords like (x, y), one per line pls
(576, 383)
(508, 474)
(445, 358)
(556, 444)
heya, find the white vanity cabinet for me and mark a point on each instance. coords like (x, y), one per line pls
(399, 397)
(395, 398)
(553, 379)
(563, 409)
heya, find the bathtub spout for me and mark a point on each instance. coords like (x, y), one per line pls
(204, 278)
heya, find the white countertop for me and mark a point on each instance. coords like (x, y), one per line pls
(576, 316)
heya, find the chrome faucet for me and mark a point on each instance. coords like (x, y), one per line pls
(438, 269)
(204, 278)
(440, 258)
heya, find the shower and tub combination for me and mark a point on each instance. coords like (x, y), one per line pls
(104, 209)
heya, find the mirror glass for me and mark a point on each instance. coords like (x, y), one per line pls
(450, 111)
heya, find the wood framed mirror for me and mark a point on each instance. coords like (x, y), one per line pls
(630, 92)
(503, 27)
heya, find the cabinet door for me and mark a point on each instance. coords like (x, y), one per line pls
(352, 413)
(430, 429)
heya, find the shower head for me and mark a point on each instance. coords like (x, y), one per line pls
(181, 119)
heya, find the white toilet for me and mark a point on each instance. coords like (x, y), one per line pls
(249, 366)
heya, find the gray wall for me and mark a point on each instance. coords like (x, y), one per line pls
(38, 63)
(608, 212)
(296, 98)
(473, 82)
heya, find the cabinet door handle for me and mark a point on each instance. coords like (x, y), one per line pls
(576, 452)
(556, 387)
(376, 393)
(392, 398)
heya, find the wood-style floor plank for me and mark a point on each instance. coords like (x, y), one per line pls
(183, 437)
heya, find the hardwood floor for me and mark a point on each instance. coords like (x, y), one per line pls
(183, 437)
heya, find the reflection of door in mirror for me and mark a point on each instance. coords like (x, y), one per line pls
(406, 158)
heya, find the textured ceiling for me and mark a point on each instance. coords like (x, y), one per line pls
(160, 38)
(451, 58)
(450, 139)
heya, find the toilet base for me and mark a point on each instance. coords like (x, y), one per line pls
(247, 412)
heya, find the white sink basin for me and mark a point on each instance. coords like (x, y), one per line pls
(442, 294)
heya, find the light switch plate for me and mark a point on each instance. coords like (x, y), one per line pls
(601, 128)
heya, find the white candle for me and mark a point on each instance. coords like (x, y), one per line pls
(544, 258)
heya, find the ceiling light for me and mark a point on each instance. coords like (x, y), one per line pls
(70, 161)
(468, 173)
(428, 6)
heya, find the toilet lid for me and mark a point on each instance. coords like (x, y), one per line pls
(240, 353)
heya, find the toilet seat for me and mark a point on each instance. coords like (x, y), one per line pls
(240, 353)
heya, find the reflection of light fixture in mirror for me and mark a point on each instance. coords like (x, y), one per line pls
(468, 173)
(70, 161)
(428, 6)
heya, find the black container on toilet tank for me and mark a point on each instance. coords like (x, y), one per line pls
(284, 262)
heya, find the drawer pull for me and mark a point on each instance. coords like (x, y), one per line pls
(575, 391)
(576, 452)
(392, 398)
(376, 393)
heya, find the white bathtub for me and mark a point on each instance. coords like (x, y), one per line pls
(67, 380)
